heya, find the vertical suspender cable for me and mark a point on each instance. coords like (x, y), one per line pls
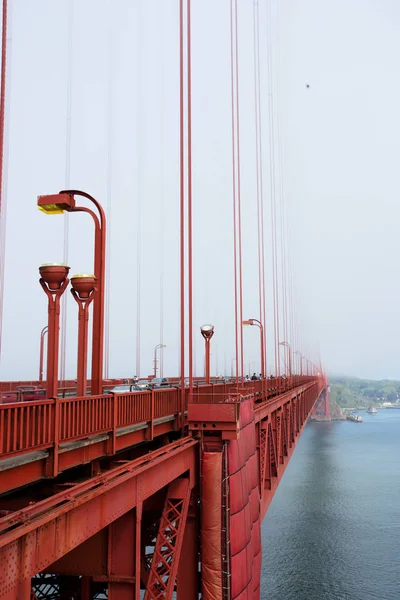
(162, 173)
(283, 204)
(138, 211)
(234, 193)
(182, 213)
(264, 314)
(109, 198)
(260, 298)
(239, 194)
(259, 175)
(63, 344)
(4, 124)
(189, 194)
(273, 194)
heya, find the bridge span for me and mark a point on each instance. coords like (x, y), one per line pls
(118, 502)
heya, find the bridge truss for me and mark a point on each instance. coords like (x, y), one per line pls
(150, 513)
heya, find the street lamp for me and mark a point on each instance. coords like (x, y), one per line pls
(207, 331)
(301, 360)
(54, 281)
(54, 204)
(260, 326)
(42, 335)
(287, 345)
(159, 346)
(83, 291)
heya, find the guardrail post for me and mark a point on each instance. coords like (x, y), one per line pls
(52, 463)
(112, 441)
(152, 415)
(115, 423)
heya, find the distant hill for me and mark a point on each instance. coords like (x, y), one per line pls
(351, 391)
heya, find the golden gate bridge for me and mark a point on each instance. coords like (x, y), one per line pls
(161, 490)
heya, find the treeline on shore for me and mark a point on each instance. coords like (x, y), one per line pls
(352, 392)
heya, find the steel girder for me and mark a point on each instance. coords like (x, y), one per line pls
(280, 425)
(33, 538)
(168, 547)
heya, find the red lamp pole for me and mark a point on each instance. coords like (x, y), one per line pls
(207, 331)
(42, 335)
(54, 281)
(260, 326)
(83, 290)
(56, 204)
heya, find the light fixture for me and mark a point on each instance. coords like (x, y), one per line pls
(55, 204)
(207, 331)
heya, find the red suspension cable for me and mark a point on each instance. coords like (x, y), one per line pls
(234, 194)
(239, 216)
(189, 193)
(182, 210)
(2, 122)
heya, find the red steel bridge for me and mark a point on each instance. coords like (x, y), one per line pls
(105, 494)
(153, 493)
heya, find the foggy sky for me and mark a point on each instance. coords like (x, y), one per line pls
(336, 150)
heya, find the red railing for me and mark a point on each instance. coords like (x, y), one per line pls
(29, 426)
(81, 417)
(26, 426)
(133, 408)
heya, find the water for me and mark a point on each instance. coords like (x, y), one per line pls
(332, 531)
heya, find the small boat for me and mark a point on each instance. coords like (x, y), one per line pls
(372, 410)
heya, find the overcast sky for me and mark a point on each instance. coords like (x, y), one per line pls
(336, 148)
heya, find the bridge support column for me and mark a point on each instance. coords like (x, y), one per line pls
(188, 570)
(211, 583)
(121, 559)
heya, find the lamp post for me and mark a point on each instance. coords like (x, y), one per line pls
(260, 326)
(301, 360)
(287, 345)
(54, 281)
(65, 201)
(207, 331)
(83, 291)
(159, 346)
(42, 335)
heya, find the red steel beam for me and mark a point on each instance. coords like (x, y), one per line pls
(67, 432)
(33, 538)
(283, 423)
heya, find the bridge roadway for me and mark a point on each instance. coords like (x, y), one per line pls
(130, 521)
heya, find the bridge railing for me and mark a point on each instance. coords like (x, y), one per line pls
(30, 426)
(26, 426)
(132, 408)
(81, 417)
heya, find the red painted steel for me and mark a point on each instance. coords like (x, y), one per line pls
(211, 525)
(31, 426)
(244, 508)
(164, 565)
(37, 536)
(54, 295)
(83, 299)
(246, 439)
